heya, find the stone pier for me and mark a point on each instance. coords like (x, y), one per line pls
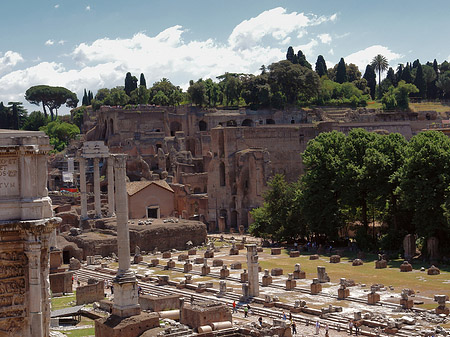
(252, 266)
(26, 224)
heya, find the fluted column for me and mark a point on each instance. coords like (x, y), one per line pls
(33, 253)
(83, 195)
(111, 206)
(125, 284)
(98, 202)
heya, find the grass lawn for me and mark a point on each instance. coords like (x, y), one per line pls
(80, 332)
(431, 106)
(63, 301)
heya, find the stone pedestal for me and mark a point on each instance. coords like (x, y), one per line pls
(314, 257)
(192, 251)
(266, 279)
(244, 276)
(343, 293)
(187, 267)
(154, 262)
(253, 268)
(224, 272)
(114, 326)
(209, 254)
(234, 251)
(222, 224)
(316, 287)
(217, 263)
(205, 270)
(381, 264)
(166, 255)
(290, 282)
(170, 264)
(322, 275)
(373, 298)
(236, 265)
(406, 303)
(298, 273)
(276, 272)
(137, 259)
(405, 267)
(335, 259)
(182, 257)
(433, 271)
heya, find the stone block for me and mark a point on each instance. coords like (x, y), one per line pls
(405, 267)
(192, 251)
(170, 264)
(90, 293)
(314, 257)
(381, 264)
(266, 280)
(275, 251)
(183, 257)
(276, 272)
(357, 262)
(442, 311)
(234, 251)
(406, 303)
(166, 255)
(294, 253)
(61, 282)
(217, 263)
(259, 249)
(205, 270)
(244, 276)
(154, 262)
(224, 272)
(236, 265)
(137, 259)
(433, 271)
(373, 298)
(335, 259)
(163, 280)
(240, 246)
(343, 293)
(299, 274)
(290, 284)
(199, 260)
(134, 326)
(316, 288)
(208, 254)
(187, 267)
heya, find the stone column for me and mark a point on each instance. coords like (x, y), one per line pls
(83, 196)
(98, 201)
(35, 299)
(125, 285)
(252, 266)
(111, 206)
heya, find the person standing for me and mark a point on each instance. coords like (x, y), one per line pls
(260, 321)
(350, 326)
(245, 312)
(326, 330)
(294, 328)
(284, 315)
(234, 307)
(317, 327)
(356, 328)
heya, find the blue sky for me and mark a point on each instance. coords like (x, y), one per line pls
(93, 43)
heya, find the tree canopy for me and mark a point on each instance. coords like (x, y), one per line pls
(51, 97)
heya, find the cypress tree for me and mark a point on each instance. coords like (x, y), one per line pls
(391, 76)
(420, 83)
(341, 72)
(321, 66)
(371, 79)
(90, 97)
(128, 84)
(406, 74)
(290, 54)
(85, 100)
(399, 73)
(302, 60)
(416, 64)
(436, 68)
(142, 81)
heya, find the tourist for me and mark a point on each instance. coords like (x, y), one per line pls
(245, 312)
(249, 309)
(260, 321)
(350, 326)
(234, 307)
(326, 330)
(112, 290)
(139, 290)
(294, 328)
(317, 327)
(356, 328)
(290, 316)
(284, 315)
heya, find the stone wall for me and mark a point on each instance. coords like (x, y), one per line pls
(159, 303)
(198, 314)
(91, 293)
(61, 282)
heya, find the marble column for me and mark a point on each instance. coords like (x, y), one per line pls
(125, 284)
(252, 266)
(33, 253)
(83, 196)
(111, 206)
(97, 197)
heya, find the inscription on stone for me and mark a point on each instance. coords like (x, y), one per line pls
(9, 176)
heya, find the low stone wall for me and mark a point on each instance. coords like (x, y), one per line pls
(204, 313)
(159, 303)
(91, 293)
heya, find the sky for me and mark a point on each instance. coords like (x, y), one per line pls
(92, 44)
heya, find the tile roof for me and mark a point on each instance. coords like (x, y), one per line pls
(136, 186)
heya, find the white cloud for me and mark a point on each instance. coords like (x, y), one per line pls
(363, 57)
(49, 43)
(275, 23)
(331, 51)
(104, 62)
(88, 8)
(61, 42)
(324, 38)
(57, 6)
(9, 60)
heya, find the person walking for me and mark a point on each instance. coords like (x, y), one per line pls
(249, 309)
(260, 321)
(290, 316)
(317, 327)
(245, 312)
(326, 330)
(284, 315)
(356, 328)
(350, 327)
(294, 328)
(234, 307)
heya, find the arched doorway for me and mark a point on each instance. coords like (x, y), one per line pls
(247, 122)
(203, 126)
(174, 127)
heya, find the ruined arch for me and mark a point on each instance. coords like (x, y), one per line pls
(203, 126)
(247, 122)
(174, 127)
(234, 219)
(231, 123)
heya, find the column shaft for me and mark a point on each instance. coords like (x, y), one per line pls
(35, 300)
(111, 206)
(83, 195)
(98, 202)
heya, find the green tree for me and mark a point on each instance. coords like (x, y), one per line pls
(35, 121)
(302, 60)
(116, 96)
(140, 95)
(370, 77)
(197, 92)
(130, 83)
(341, 72)
(85, 99)
(391, 76)
(60, 133)
(406, 74)
(212, 91)
(256, 90)
(353, 73)
(398, 98)
(51, 97)
(430, 77)
(380, 64)
(321, 66)
(290, 54)
(231, 86)
(142, 81)
(171, 92)
(443, 83)
(419, 82)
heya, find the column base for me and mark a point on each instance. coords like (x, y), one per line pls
(127, 311)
